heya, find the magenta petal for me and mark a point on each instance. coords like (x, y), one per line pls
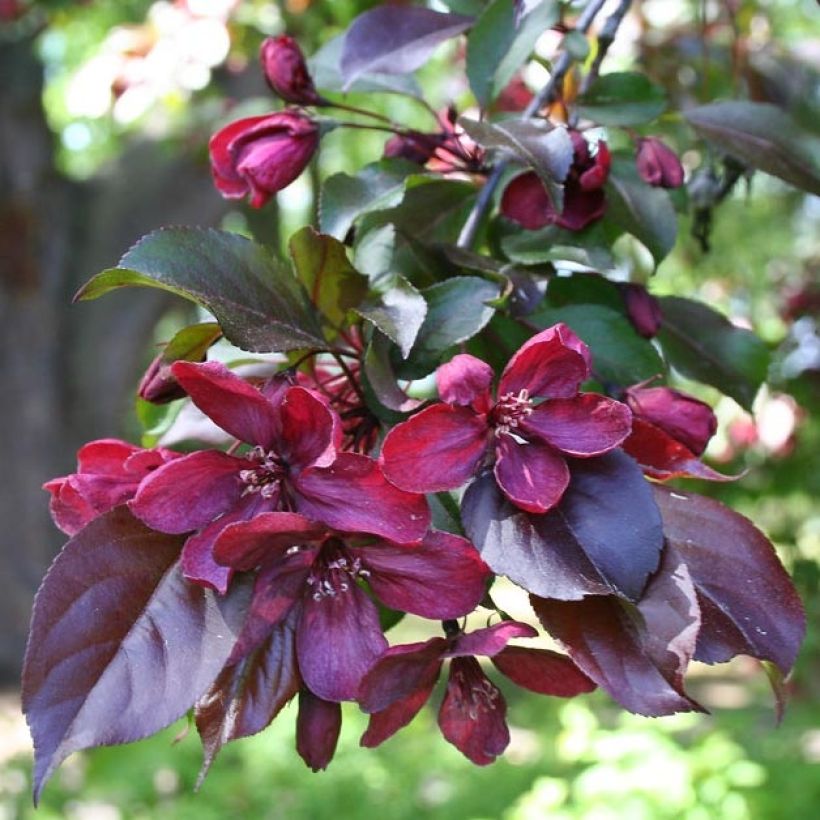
(337, 640)
(189, 492)
(587, 425)
(386, 723)
(105, 456)
(308, 430)
(532, 475)
(490, 640)
(230, 402)
(542, 671)
(547, 368)
(442, 577)
(526, 201)
(437, 449)
(465, 380)
(69, 510)
(473, 713)
(399, 672)
(247, 544)
(277, 594)
(317, 730)
(353, 495)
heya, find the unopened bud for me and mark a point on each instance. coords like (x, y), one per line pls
(286, 71)
(643, 309)
(658, 164)
(158, 385)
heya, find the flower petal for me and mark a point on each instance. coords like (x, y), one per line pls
(233, 404)
(587, 425)
(542, 671)
(437, 449)
(399, 672)
(465, 380)
(442, 577)
(353, 495)
(317, 730)
(265, 537)
(69, 510)
(383, 725)
(105, 456)
(547, 367)
(532, 475)
(473, 713)
(337, 640)
(308, 430)
(489, 641)
(526, 201)
(277, 594)
(189, 492)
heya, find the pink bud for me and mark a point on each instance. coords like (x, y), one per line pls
(643, 309)
(286, 71)
(261, 155)
(158, 385)
(658, 164)
(685, 418)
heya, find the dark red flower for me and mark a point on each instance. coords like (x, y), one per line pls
(338, 634)
(643, 309)
(670, 430)
(658, 164)
(261, 155)
(109, 472)
(473, 713)
(444, 445)
(293, 465)
(414, 146)
(286, 72)
(526, 201)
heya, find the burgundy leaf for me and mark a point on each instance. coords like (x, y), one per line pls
(317, 729)
(120, 645)
(246, 697)
(538, 552)
(608, 641)
(395, 39)
(749, 604)
(542, 671)
(473, 713)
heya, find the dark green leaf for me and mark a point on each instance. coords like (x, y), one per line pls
(377, 186)
(762, 136)
(497, 47)
(258, 302)
(704, 345)
(623, 98)
(322, 266)
(590, 247)
(191, 343)
(373, 253)
(384, 396)
(584, 289)
(547, 150)
(641, 209)
(619, 355)
(398, 312)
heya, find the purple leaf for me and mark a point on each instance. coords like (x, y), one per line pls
(637, 654)
(604, 535)
(396, 39)
(246, 697)
(120, 644)
(748, 602)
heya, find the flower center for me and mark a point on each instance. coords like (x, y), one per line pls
(334, 574)
(475, 690)
(265, 475)
(509, 410)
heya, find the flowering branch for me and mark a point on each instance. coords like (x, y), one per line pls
(562, 65)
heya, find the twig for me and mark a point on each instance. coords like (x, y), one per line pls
(606, 38)
(560, 68)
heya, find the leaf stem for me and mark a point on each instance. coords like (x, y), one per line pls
(560, 68)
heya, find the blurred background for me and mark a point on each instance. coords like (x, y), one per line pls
(105, 112)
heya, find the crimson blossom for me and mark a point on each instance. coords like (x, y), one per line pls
(315, 572)
(444, 445)
(261, 155)
(293, 464)
(473, 713)
(527, 202)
